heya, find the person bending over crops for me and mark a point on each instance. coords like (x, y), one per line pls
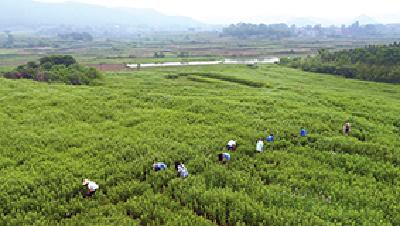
(224, 157)
(303, 132)
(91, 188)
(182, 171)
(231, 146)
(270, 138)
(177, 164)
(158, 166)
(346, 128)
(260, 145)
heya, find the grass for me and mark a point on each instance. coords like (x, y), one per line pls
(53, 136)
(6, 69)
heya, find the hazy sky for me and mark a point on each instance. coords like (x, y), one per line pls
(267, 11)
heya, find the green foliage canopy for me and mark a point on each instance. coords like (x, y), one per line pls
(372, 63)
(58, 68)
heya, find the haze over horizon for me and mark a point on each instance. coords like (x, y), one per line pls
(264, 11)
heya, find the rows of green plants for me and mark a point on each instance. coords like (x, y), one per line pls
(54, 136)
(372, 63)
(221, 77)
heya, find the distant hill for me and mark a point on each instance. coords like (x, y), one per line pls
(31, 13)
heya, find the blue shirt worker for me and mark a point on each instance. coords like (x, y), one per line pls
(183, 171)
(270, 138)
(303, 132)
(158, 166)
(224, 157)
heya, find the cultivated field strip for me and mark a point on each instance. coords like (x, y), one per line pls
(55, 135)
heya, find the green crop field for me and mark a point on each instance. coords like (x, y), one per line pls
(53, 136)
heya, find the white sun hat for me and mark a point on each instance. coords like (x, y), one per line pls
(85, 182)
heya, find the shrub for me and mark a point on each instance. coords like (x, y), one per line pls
(63, 69)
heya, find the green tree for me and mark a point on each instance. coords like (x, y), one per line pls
(66, 60)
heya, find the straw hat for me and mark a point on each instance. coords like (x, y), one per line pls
(85, 182)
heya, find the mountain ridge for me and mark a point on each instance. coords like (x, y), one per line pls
(31, 13)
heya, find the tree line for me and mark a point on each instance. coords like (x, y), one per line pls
(282, 30)
(76, 36)
(380, 63)
(244, 30)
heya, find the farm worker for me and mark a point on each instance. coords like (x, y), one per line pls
(182, 171)
(224, 157)
(157, 166)
(270, 138)
(260, 145)
(91, 187)
(303, 132)
(177, 164)
(231, 146)
(346, 128)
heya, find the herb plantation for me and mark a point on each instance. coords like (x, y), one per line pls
(55, 135)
